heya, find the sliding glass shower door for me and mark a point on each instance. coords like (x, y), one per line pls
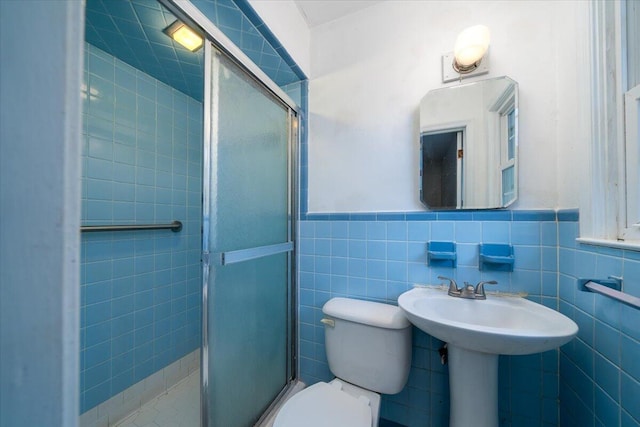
(247, 246)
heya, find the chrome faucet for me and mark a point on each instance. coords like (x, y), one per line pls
(467, 291)
(453, 286)
(479, 291)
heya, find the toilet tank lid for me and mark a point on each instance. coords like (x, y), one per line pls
(366, 312)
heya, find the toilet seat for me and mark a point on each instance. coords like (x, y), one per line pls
(323, 405)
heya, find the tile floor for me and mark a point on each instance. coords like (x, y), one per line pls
(178, 407)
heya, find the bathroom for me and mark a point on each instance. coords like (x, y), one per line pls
(362, 229)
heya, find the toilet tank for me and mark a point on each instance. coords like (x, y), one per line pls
(368, 344)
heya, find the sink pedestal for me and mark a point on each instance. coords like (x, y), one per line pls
(473, 384)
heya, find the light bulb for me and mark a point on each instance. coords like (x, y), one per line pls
(471, 45)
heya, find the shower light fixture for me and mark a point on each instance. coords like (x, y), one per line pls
(184, 35)
(469, 56)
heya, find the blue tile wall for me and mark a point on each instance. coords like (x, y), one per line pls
(142, 162)
(238, 21)
(600, 369)
(377, 256)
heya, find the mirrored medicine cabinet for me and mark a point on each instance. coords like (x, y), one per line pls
(469, 145)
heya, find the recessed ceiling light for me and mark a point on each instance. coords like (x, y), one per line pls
(184, 35)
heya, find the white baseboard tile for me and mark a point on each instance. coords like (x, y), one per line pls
(120, 406)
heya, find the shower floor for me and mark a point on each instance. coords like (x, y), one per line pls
(178, 407)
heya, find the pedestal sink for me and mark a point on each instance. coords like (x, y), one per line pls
(476, 332)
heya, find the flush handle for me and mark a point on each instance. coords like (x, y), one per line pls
(328, 322)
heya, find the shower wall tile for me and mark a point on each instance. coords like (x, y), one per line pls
(140, 290)
(378, 256)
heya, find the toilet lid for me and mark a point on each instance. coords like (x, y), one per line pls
(324, 405)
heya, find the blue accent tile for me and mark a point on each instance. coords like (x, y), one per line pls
(420, 216)
(390, 216)
(362, 217)
(568, 215)
(455, 216)
(541, 215)
(492, 215)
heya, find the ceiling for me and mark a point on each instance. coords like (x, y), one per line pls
(318, 12)
(132, 32)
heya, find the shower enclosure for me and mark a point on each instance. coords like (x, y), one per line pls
(190, 177)
(249, 205)
(247, 245)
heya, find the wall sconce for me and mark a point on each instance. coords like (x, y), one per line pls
(470, 55)
(184, 35)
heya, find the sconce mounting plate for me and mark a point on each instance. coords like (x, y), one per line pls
(450, 75)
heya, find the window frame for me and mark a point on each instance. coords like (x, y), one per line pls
(604, 210)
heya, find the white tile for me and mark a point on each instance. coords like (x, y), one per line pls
(88, 418)
(172, 374)
(179, 406)
(153, 386)
(133, 393)
(109, 406)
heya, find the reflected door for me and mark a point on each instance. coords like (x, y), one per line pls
(247, 242)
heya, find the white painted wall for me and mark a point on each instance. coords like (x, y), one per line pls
(41, 67)
(287, 23)
(369, 71)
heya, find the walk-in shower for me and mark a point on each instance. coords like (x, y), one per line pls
(202, 144)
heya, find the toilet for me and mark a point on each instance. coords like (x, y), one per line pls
(368, 347)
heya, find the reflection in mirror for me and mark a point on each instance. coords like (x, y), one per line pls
(469, 144)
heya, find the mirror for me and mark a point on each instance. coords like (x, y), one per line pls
(469, 145)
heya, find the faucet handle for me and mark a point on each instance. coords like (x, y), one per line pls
(480, 288)
(453, 286)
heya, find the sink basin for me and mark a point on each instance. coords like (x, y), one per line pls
(498, 325)
(476, 332)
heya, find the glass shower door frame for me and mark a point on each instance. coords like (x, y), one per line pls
(212, 261)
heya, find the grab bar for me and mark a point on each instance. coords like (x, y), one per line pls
(611, 292)
(175, 226)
